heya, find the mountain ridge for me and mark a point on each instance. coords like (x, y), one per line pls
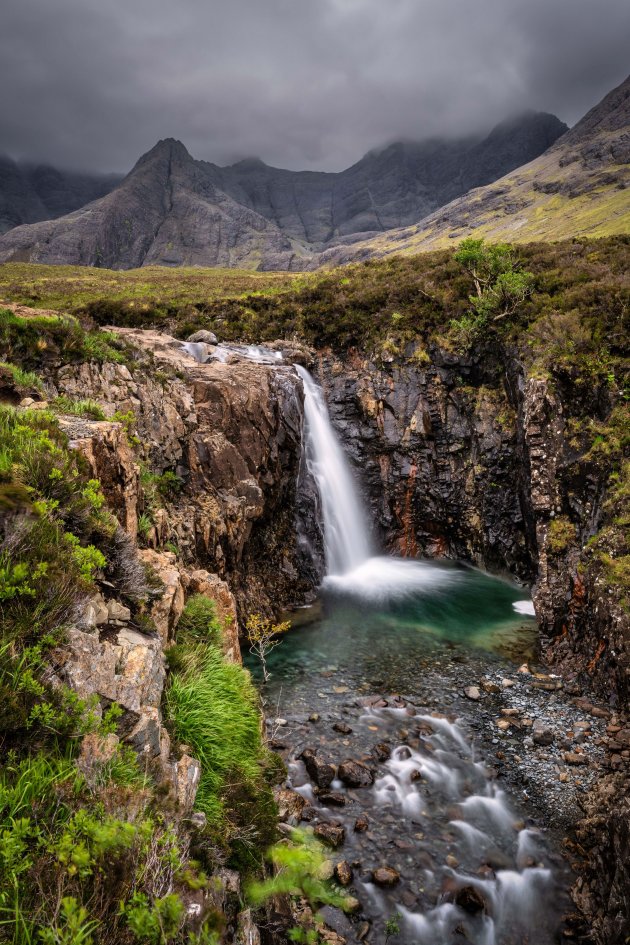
(580, 186)
(173, 210)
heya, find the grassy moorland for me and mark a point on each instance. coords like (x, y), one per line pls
(69, 288)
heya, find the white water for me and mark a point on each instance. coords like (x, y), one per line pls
(345, 535)
(203, 352)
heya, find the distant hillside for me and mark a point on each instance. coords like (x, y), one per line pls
(579, 187)
(173, 210)
(29, 193)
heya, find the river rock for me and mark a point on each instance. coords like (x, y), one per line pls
(355, 774)
(332, 799)
(342, 728)
(319, 771)
(206, 337)
(343, 873)
(290, 805)
(470, 900)
(472, 692)
(381, 751)
(385, 876)
(361, 824)
(331, 834)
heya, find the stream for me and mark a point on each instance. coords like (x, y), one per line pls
(382, 684)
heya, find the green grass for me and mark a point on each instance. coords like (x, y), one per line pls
(199, 621)
(72, 288)
(78, 408)
(23, 380)
(32, 340)
(213, 708)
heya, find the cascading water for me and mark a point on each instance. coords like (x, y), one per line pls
(345, 536)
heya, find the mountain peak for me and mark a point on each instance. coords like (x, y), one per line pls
(166, 149)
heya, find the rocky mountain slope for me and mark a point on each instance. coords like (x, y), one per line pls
(173, 210)
(30, 193)
(579, 187)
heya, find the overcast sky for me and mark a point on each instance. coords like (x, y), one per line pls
(300, 83)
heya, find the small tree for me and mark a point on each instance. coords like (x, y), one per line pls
(263, 636)
(500, 287)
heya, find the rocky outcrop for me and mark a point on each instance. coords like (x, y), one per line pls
(231, 434)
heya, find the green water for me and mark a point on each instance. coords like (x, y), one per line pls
(383, 642)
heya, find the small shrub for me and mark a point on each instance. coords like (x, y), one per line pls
(23, 380)
(561, 535)
(79, 408)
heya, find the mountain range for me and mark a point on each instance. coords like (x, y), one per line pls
(580, 186)
(174, 210)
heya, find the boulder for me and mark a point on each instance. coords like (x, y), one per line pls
(355, 774)
(319, 771)
(331, 834)
(207, 337)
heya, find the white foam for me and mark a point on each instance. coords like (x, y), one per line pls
(524, 607)
(383, 578)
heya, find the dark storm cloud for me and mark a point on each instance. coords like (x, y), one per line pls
(300, 83)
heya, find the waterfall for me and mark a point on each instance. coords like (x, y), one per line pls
(345, 535)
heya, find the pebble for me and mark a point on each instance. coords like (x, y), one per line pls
(472, 692)
(385, 876)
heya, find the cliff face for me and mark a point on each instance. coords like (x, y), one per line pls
(231, 434)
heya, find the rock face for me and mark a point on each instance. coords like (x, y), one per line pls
(172, 210)
(231, 433)
(31, 193)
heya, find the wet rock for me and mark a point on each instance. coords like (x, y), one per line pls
(361, 824)
(332, 799)
(290, 805)
(355, 774)
(385, 876)
(343, 873)
(206, 337)
(470, 900)
(472, 692)
(337, 921)
(381, 751)
(319, 771)
(488, 686)
(247, 932)
(543, 736)
(331, 834)
(363, 931)
(342, 728)
(308, 814)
